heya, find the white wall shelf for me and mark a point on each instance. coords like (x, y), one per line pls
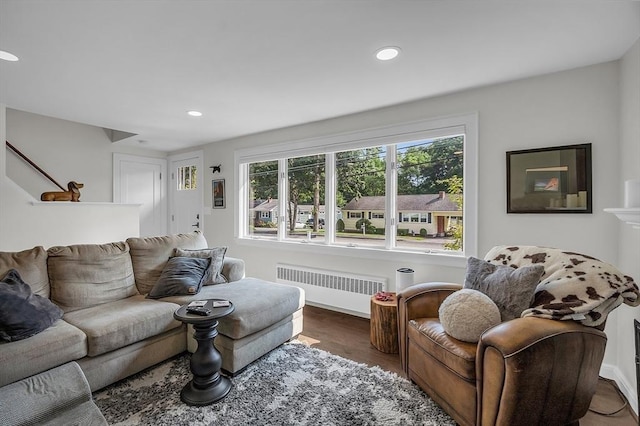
(630, 215)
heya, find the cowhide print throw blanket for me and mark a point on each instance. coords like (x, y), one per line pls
(574, 286)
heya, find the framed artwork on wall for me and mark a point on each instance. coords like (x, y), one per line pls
(550, 180)
(217, 193)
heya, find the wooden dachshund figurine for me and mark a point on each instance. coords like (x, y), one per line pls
(73, 194)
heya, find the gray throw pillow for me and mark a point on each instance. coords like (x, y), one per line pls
(512, 290)
(180, 276)
(23, 313)
(216, 254)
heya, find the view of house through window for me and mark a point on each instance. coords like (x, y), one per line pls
(429, 201)
(305, 196)
(427, 177)
(360, 197)
(263, 199)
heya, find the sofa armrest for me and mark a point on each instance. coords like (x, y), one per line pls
(546, 368)
(419, 301)
(58, 396)
(233, 268)
(424, 300)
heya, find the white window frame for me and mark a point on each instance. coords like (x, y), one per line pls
(466, 124)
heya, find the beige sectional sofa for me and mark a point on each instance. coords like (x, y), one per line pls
(112, 330)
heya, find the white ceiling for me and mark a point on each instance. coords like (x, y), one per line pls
(255, 65)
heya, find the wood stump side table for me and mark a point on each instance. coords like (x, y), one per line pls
(384, 324)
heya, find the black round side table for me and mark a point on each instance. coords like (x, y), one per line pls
(207, 385)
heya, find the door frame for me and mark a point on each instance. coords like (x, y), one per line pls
(118, 158)
(199, 156)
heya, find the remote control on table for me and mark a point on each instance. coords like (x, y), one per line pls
(221, 303)
(199, 310)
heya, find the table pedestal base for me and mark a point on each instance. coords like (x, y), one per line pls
(193, 396)
(207, 385)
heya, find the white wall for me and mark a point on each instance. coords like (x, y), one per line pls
(26, 222)
(67, 151)
(621, 324)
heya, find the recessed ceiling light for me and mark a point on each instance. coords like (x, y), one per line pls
(387, 53)
(194, 113)
(8, 56)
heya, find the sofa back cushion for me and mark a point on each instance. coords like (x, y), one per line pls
(82, 276)
(150, 255)
(31, 265)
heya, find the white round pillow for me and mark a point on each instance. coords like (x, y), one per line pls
(467, 313)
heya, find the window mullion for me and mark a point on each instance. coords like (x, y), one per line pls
(391, 189)
(330, 198)
(283, 198)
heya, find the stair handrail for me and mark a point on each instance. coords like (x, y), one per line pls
(34, 165)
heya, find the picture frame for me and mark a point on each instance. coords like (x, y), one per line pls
(218, 194)
(550, 180)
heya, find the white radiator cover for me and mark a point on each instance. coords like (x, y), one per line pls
(342, 290)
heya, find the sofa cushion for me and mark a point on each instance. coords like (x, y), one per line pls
(466, 314)
(511, 289)
(32, 266)
(56, 345)
(216, 254)
(181, 275)
(60, 396)
(258, 304)
(122, 322)
(87, 275)
(150, 254)
(456, 355)
(23, 313)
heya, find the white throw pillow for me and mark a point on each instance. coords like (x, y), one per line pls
(467, 313)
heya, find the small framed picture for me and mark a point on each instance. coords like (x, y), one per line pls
(550, 180)
(217, 193)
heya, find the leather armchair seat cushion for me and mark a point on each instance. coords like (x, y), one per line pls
(456, 355)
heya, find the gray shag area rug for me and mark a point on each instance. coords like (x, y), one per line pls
(292, 385)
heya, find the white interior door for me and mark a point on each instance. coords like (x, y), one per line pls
(139, 180)
(187, 192)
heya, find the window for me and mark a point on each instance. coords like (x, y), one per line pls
(360, 189)
(341, 190)
(262, 199)
(305, 191)
(430, 181)
(187, 178)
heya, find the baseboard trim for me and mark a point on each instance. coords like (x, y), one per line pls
(337, 309)
(612, 372)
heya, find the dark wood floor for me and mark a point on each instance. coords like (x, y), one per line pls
(348, 336)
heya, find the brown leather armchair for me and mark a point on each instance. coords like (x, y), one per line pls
(527, 371)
